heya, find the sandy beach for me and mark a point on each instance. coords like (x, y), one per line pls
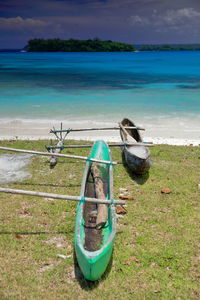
(156, 90)
(40, 129)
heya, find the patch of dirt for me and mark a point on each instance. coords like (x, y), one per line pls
(195, 273)
(45, 268)
(25, 213)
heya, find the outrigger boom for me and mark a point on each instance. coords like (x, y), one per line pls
(148, 144)
(91, 129)
(60, 197)
(58, 155)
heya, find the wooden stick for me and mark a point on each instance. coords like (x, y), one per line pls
(127, 137)
(58, 155)
(56, 133)
(123, 129)
(61, 131)
(90, 129)
(58, 196)
(110, 145)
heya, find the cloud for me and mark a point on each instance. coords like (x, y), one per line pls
(18, 23)
(137, 20)
(178, 19)
(175, 17)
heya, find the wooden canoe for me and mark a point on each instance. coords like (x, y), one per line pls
(93, 247)
(137, 157)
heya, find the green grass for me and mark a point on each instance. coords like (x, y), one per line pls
(156, 253)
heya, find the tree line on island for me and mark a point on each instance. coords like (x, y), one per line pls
(167, 47)
(73, 45)
(97, 45)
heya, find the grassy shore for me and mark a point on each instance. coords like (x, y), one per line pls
(157, 248)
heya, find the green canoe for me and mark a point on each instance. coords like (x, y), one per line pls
(93, 247)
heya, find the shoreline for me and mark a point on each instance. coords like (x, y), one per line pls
(156, 140)
(18, 129)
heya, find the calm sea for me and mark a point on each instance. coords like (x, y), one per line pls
(158, 90)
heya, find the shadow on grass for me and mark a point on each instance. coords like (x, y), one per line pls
(140, 179)
(48, 185)
(35, 233)
(85, 284)
(66, 162)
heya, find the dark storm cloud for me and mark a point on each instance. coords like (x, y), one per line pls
(133, 21)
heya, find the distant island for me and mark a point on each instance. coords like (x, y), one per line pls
(167, 47)
(73, 45)
(98, 45)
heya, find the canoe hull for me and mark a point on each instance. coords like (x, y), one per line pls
(93, 268)
(94, 263)
(138, 165)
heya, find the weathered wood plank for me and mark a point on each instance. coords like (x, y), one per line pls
(102, 210)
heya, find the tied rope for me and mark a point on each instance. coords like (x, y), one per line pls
(82, 199)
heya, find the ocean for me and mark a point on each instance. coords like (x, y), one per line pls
(159, 91)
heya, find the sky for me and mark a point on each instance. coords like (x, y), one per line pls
(130, 21)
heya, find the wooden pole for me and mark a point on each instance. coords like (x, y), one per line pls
(91, 129)
(58, 155)
(128, 138)
(56, 133)
(58, 196)
(110, 145)
(123, 129)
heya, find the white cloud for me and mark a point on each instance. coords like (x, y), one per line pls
(173, 17)
(177, 20)
(137, 20)
(18, 23)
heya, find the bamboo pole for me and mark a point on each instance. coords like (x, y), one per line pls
(128, 138)
(60, 197)
(91, 129)
(57, 154)
(123, 129)
(110, 145)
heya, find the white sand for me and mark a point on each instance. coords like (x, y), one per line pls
(39, 129)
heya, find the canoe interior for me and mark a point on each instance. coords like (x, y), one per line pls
(93, 239)
(93, 236)
(140, 152)
(132, 132)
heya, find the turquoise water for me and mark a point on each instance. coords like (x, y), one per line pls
(149, 87)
